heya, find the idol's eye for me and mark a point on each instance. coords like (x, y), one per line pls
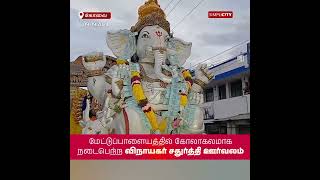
(145, 35)
(166, 39)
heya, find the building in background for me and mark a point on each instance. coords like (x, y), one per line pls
(227, 97)
(78, 77)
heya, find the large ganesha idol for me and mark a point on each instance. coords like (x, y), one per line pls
(147, 91)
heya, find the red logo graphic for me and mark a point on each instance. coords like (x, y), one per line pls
(220, 14)
(95, 15)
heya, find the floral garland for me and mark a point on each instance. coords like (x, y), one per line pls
(142, 101)
(187, 77)
(77, 102)
(122, 61)
(76, 111)
(183, 96)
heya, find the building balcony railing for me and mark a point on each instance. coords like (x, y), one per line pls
(227, 108)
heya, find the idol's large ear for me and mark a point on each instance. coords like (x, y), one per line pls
(122, 43)
(182, 50)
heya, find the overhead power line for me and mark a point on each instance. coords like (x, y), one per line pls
(188, 14)
(173, 7)
(168, 5)
(221, 53)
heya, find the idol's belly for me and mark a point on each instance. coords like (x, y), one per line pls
(156, 95)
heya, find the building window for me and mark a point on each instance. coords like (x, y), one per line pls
(219, 128)
(223, 130)
(243, 129)
(236, 88)
(209, 95)
(246, 89)
(222, 92)
(208, 112)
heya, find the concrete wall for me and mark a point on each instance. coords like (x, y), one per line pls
(229, 107)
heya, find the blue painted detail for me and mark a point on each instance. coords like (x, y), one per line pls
(130, 47)
(189, 115)
(231, 73)
(134, 67)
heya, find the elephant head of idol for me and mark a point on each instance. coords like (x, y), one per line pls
(150, 41)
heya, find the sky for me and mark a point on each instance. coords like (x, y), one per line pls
(209, 37)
